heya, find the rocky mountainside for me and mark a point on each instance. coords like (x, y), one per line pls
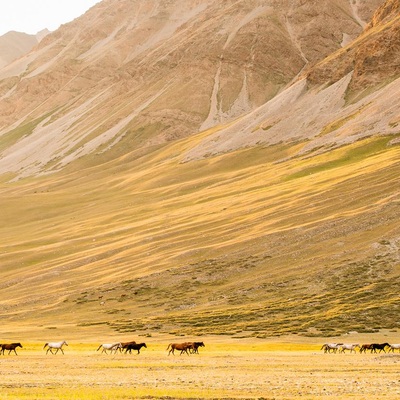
(351, 94)
(129, 74)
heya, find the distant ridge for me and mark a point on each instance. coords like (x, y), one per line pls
(16, 44)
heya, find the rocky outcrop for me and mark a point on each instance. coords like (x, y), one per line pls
(374, 58)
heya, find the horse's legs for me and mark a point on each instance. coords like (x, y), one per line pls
(62, 351)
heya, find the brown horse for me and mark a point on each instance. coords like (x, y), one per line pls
(365, 347)
(134, 346)
(183, 347)
(10, 347)
(124, 345)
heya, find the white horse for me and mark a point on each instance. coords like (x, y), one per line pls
(329, 347)
(55, 345)
(394, 347)
(109, 346)
(351, 347)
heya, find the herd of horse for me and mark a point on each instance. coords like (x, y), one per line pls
(372, 347)
(193, 347)
(186, 347)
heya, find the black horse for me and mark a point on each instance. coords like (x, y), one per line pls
(134, 346)
(379, 346)
(10, 347)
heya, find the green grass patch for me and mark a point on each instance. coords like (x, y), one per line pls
(16, 134)
(354, 154)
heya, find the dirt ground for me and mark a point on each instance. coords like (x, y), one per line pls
(220, 371)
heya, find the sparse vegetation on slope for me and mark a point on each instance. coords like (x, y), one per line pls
(237, 244)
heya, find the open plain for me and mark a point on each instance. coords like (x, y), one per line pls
(225, 171)
(287, 368)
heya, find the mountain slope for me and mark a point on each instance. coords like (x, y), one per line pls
(351, 94)
(130, 74)
(283, 220)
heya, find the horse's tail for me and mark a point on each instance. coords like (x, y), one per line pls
(45, 346)
(168, 346)
(99, 347)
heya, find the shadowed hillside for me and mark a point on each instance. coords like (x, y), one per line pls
(279, 218)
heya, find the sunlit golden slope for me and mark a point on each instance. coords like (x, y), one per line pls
(236, 243)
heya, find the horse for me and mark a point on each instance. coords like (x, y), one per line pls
(365, 347)
(124, 345)
(109, 346)
(393, 347)
(194, 348)
(10, 347)
(379, 346)
(329, 347)
(351, 347)
(183, 347)
(55, 345)
(134, 346)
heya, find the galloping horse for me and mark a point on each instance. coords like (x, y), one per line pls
(365, 347)
(10, 347)
(183, 347)
(379, 346)
(109, 346)
(55, 345)
(134, 346)
(393, 347)
(124, 345)
(329, 347)
(351, 347)
(194, 348)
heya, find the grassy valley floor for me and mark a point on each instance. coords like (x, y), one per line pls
(222, 370)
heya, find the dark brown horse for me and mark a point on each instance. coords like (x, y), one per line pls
(194, 349)
(134, 346)
(182, 347)
(10, 347)
(365, 347)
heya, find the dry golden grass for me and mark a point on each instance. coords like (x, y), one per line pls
(239, 245)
